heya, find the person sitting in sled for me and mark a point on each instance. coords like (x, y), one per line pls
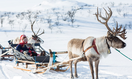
(24, 47)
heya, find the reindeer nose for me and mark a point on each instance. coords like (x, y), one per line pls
(124, 45)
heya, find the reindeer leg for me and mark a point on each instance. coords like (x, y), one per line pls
(75, 63)
(91, 67)
(70, 63)
(96, 68)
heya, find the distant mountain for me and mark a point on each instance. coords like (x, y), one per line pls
(49, 4)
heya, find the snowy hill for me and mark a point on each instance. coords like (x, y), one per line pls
(53, 16)
(48, 4)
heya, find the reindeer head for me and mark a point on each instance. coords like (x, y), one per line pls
(112, 38)
(36, 37)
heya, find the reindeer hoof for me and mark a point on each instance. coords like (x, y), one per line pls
(76, 76)
(72, 77)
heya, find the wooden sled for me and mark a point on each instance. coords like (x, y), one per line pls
(39, 62)
(43, 69)
(63, 64)
(5, 55)
(59, 68)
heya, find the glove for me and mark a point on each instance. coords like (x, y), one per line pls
(30, 54)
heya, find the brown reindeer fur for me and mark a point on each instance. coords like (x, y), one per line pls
(77, 46)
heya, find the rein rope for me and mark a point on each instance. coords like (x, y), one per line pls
(123, 54)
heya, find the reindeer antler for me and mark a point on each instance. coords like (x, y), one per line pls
(32, 27)
(116, 31)
(108, 15)
(33, 30)
(41, 33)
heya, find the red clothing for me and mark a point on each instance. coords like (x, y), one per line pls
(22, 47)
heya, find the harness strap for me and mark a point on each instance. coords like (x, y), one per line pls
(95, 48)
(93, 45)
(88, 48)
(107, 43)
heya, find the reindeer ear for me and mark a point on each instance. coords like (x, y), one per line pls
(109, 34)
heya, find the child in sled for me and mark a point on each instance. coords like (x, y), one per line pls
(25, 48)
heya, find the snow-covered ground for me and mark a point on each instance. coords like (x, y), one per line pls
(114, 66)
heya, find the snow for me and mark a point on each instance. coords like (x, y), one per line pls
(17, 5)
(114, 66)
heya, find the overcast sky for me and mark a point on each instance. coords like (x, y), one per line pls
(18, 5)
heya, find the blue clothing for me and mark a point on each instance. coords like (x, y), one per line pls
(22, 47)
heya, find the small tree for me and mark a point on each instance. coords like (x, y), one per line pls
(11, 22)
(49, 21)
(57, 18)
(64, 17)
(119, 11)
(32, 16)
(1, 20)
(71, 15)
(18, 15)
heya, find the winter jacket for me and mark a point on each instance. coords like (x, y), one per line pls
(22, 47)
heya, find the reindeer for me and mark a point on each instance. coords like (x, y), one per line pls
(34, 39)
(92, 49)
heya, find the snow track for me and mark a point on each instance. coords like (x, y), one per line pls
(8, 72)
(4, 74)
